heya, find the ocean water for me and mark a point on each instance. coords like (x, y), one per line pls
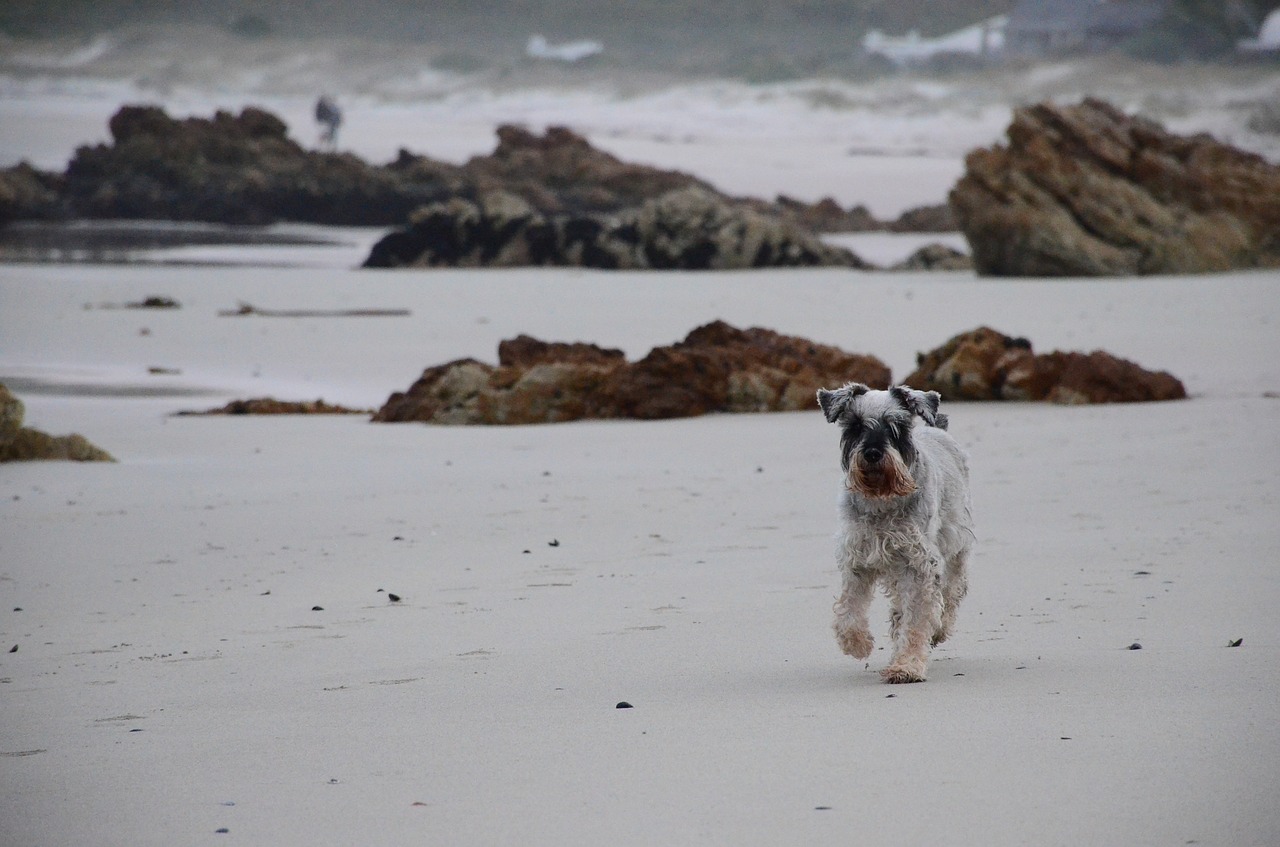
(889, 142)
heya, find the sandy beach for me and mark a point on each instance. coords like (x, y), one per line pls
(173, 677)
(199, 645)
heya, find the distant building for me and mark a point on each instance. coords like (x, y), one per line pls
(985, 38)
(1047, 27)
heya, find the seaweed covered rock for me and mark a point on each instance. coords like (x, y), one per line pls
(716, 368)
(685, 229)
(1087, 190)
(984, 364)
(21, 444)
(272, 406)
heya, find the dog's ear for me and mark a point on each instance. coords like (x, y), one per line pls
(922, 403)
(834, 403)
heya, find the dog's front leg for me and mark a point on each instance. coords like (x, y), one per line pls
(852, 630)
(915, 594)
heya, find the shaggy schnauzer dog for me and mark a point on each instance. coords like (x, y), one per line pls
(905, 521)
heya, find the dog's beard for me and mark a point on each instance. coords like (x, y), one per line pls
(881, 481)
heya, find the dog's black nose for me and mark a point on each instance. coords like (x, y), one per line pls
(873, 454)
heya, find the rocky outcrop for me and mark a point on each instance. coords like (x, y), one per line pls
(935, 257)
(235, 169)
(988, 365)
(272, 406)
(685, 229)
(244, 169)
(19, 443)
(716, 368)
(826, 215)
(28, 194)
(1089, 191)
(559, 173)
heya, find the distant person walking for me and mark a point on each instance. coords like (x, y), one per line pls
(329, 116)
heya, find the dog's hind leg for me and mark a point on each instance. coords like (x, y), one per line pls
(955, 584)
(853, 633)
(916, 597)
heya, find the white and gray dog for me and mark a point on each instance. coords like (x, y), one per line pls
(905, 521)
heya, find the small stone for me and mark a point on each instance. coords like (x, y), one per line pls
(221, 830)
(555, 542)
(13, 649)
(317, 608)
(1235, 643)
(623, 704)
(394, 598)
(1135, 646)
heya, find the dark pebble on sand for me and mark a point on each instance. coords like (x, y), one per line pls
(1135, 646)
(555, 542)
(221, 831)
(1235, 643)
(822, 808)
(394, 598)
(317, 608)
(13, 649)
(624, 705)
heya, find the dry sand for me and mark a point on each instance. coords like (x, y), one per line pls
(172, 678)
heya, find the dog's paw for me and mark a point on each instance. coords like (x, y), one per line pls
(857, 643)
(903, 672)
(939, 637)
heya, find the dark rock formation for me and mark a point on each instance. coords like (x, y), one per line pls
(686, 229)
(559, 172)
(20, 444)
(716, 368)
(987, 365)
(937, 218)
(827, 215)
(272, 406)
(935, 257)
(28, 194)
(232, 169)
(1089, 191)
(244, 169)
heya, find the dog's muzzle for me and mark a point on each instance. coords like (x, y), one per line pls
(880, 474)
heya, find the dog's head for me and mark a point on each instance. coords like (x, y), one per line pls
(876, 449)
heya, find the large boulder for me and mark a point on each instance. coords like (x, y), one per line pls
(685, 229)
(716, 368)
(1087, 190)
(984, 364)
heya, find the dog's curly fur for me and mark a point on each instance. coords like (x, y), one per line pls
(905, 521)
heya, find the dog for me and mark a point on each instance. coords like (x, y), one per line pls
(905, 521)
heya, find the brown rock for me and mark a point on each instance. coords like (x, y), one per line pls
(526, 351)
(935, 257)
(11, 413)
(32, 445)
(22, 444)
(1089, 191)
(272, 406)
(716, 368)
(965, 367)
(1100, 377)
(938, 218)
(987, 365)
